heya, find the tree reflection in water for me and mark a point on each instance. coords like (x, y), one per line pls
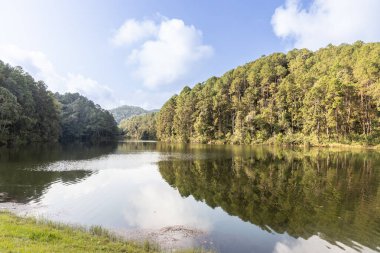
(25, 174)
(332, 194)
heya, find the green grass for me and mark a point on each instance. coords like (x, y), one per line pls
(31, 235)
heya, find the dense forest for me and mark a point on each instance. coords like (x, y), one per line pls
(141, 127)
(331, 95)
(81, 119)
(30, 113)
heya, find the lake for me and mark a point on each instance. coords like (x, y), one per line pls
(225, 198)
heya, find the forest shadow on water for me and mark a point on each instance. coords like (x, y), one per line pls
(25, 173)
(333, 194)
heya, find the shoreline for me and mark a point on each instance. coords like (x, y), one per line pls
(178, 237)
(321, 145)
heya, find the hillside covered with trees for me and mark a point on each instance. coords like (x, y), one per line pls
(331, 95)
(81, 119)
(141, 127)
(127, 112)
(30, 113)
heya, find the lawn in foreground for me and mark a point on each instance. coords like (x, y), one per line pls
(19, 234)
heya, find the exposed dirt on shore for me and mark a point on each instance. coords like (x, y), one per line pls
(171, 237)
(16, 208)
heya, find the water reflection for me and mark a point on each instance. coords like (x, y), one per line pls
(26, 173)
(134, 198)
(334, 195)
(247, 199)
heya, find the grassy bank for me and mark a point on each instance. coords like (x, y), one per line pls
(31, 235)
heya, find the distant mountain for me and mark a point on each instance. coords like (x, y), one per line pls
(127, 111)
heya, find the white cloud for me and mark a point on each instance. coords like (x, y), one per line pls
(133, 31)
(90, 88)
(40, 67)
(165, 54)
(34, 62)
(327, 21)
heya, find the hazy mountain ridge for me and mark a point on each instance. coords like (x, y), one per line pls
(128, 111)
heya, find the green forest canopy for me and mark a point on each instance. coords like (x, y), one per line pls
(141, 127)
(30, 113)
(331, 95)
(81, 119)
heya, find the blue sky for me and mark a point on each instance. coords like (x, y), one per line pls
(142, 52)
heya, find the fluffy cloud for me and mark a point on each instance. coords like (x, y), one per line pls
(327, 21)
(41, 68)
(133, 31)
(34, 62)
(166, 50)
(90, 88)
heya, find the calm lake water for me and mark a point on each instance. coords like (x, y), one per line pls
(244, 199)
